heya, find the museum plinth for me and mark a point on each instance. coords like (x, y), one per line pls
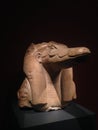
(72, 117)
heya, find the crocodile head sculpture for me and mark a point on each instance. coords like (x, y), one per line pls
(49, 84)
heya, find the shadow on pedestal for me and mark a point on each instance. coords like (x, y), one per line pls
(72, 117)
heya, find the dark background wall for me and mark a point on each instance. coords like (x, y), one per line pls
(71, 23)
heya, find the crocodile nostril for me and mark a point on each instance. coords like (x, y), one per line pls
(84, 49)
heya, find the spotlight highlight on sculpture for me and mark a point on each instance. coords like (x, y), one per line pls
(48, 83)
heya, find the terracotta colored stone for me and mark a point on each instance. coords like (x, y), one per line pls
(49, 84)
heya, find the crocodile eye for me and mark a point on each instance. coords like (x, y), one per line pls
(53, 47)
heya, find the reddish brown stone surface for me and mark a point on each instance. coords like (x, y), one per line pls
(49, 84)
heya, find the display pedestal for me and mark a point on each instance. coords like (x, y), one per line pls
(72, 117)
